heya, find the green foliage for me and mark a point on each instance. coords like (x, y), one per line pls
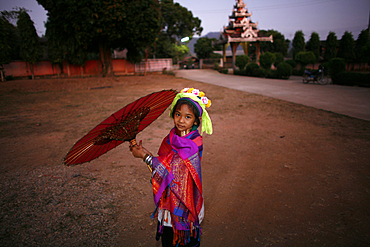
(280, 44)
(284, 70)
(242, 61)
(298, 72)
(298, 43)
(134, 56)
(336, 66)
(30, 49)
(273, 74)
(362, 42)
(352, 79)
(239, 72)
(9, 78)
(260, 72)
(250, 67)
(10, 34)
(57, 46)
(304, 58)
(215, 56)
(279, 58)
(292, 63)
(105, 25)
(314, 45)
(331, 46)
(203, 48)
(178, 21)
(346, 47)
(267, 59)
(5, 46)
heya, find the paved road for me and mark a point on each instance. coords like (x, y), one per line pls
(350, 101)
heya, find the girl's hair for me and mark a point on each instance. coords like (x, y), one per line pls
(181, 102)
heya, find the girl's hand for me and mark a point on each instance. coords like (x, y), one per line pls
(138, 150)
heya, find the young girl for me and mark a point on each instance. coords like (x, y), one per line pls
(176, 177)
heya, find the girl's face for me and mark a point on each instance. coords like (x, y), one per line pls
(184, 118)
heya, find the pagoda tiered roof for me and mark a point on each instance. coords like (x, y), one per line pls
(241, 28)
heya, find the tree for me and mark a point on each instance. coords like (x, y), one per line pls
(267, 59)
(284, 70)
(242, 61)
(346, 48)
(57, 46)
(280, 44)
(298, 43)
(304, 58)
(360, 46)
(106, 25)
(330, 47)
(5, 48)
(12, 33)
(203, 48)
(313, 45)
(279, 58)
(177, 22)
(30, 48)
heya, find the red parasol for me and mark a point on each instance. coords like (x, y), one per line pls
(119, 127)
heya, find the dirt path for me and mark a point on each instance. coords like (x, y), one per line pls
(274, 173)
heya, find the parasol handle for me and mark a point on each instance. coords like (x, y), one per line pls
(134, 143)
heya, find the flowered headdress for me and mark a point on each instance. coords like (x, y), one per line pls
(199, 99)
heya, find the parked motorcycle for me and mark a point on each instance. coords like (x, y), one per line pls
(315, 76)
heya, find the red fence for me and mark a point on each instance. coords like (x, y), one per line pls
(46, 68)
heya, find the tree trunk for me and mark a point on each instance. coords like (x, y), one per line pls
(106, 59)
(32, 74)
(146, 60)
(82, 71)
(57, 68)
(68, 72)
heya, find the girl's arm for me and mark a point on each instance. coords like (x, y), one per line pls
(138, 151)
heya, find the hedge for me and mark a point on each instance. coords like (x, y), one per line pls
(352, 79)
(250, 67)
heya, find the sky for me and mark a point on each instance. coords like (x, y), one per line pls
(285, 16)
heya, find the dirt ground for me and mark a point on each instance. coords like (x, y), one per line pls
(274, 173)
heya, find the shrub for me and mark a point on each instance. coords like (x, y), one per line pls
(351, 79)
(279, 58)
(273, 74)
(292, 63)
(284, 70)
(239, 72)
(250, 67)
(242, 61)
(225, 71)
(298, 72)
(267, 59)
(259, 72)
(216, 66)
(305, 57)
(9, 78)
(336, 66)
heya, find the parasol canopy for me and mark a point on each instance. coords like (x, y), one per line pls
(121, 126)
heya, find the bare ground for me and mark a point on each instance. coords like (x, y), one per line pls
(274, 173)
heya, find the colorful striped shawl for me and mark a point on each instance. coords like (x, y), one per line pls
(177, 181)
